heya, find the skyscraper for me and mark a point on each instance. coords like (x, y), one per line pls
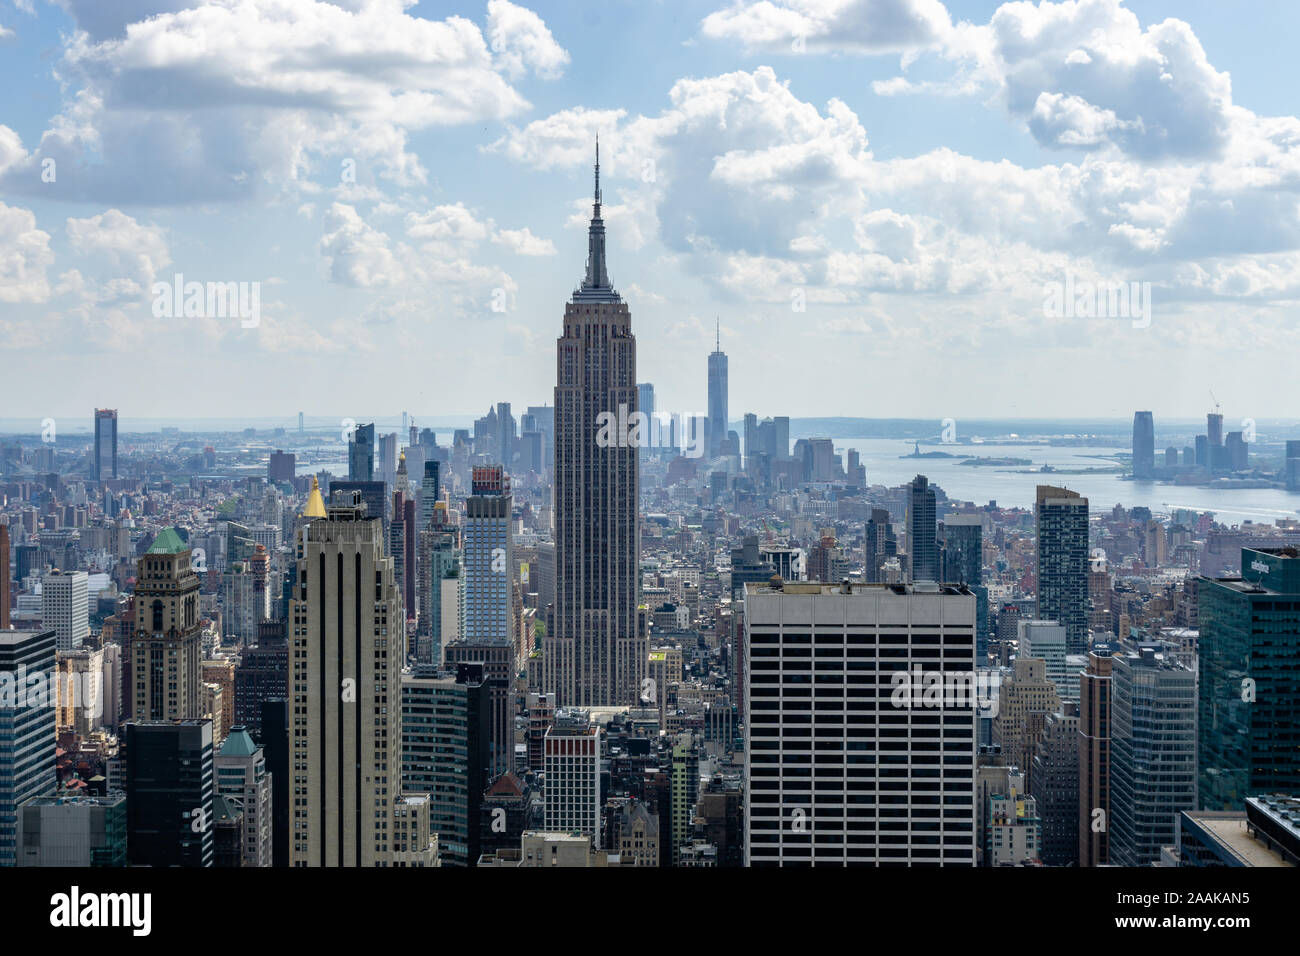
(645, 403)
(169, 793)
(348, 641)
(65, 606)
(963, 563)
(880, 544)
(4, 577)
(922, 543)
(1249, 644)
(1144, 445)
(871, 777)
(487, 555)
(573, 746)
(1062, 523)
(597, 655)
(1153, 753)
(242, 778)
(166, 650)
(27, 727)
(445, 753)
(717, 420)
(361, 454)
(105, 443)
(1095, 696)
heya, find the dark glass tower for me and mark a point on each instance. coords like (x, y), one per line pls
(1249, 688)
(597, 657)
(169, 788)
(921, 531)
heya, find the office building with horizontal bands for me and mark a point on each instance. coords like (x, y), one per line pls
(572, 762)
(840, 768)
(1153, 752)
(1249, 689)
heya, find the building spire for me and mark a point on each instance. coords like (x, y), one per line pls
(718, 333)
(596, 287)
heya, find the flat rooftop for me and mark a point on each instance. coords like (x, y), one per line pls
(1229, 828)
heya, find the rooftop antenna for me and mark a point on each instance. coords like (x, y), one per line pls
(718, 332)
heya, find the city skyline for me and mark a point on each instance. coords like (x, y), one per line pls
(641, 590)
(377, 239)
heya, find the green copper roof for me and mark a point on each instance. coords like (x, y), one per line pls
(167, 542)
(238, 744)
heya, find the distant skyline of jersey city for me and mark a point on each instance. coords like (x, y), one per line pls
(1069, 210)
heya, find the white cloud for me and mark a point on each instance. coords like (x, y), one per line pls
(357, 254)
(24, 257)
(232, 97)
(130, 255)
(854, 26)
(522, 242)
(522, 42)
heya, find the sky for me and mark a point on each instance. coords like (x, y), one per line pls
(882, 203)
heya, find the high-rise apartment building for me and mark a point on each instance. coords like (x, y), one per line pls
(597, 653)
(685, 784)
(487, 558)
(439, 565)
(347, 645)
(1062, 524)
(846, 762)
(166, 646)
(1249, 692)
(1095, 697)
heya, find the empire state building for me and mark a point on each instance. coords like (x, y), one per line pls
(597, 655)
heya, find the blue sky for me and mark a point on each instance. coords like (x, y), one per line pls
(915, 174)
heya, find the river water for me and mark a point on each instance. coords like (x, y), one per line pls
(1015, 486)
